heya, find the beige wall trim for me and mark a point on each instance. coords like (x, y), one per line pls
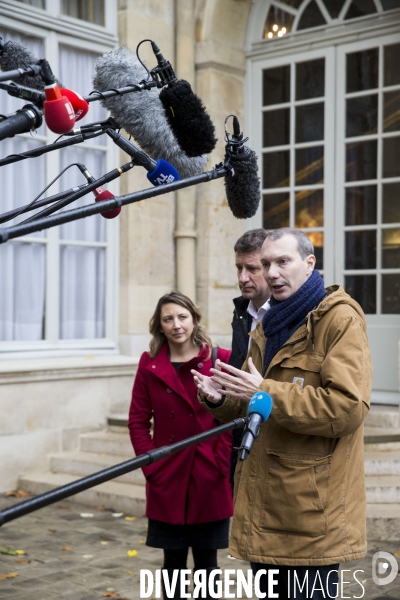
(65, 369)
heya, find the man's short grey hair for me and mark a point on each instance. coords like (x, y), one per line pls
(304, 244)
(250, 241)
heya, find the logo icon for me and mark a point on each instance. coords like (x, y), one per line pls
(382, 563)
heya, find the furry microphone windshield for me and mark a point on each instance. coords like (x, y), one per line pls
(142, 113)
(188, 118)
(14, 55)
(242, 185)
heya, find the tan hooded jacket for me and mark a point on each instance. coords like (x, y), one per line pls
(300, 495)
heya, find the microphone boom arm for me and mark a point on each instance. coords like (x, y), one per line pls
(38, 224)
(32, 504)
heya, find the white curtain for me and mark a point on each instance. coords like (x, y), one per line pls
(22, 265)
(82, 268)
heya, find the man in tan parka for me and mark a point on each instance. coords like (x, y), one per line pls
(300, 495)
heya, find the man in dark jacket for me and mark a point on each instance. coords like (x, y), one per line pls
(250, 307)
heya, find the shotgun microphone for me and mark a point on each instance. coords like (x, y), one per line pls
(242, 184)
(184, 110)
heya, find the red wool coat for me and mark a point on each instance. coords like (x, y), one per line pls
(192, 485)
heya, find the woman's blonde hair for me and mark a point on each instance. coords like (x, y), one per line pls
(199, 336)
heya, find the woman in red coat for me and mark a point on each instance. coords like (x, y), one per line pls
(189, 497)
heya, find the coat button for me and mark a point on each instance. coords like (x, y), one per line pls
(153, 366)
(200, 365)
(191, 415)
(172, 414)
(171, 439)
(169, 391)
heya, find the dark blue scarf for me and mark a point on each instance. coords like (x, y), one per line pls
(280, 320)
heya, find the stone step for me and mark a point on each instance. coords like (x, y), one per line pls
(382, 462)
(121, 497)
(383, 489)
(107, 442)
(86, 463)
(117, 422)
(379, 438)
(383, 416)
(383, 522)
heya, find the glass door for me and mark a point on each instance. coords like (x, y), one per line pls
(295, 142)
(368, 196)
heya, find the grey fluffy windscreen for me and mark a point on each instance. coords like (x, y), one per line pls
(142, 114)
(243, 189)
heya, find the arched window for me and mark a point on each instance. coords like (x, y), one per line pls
(289, 16)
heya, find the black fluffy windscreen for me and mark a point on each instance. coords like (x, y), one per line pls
(243, 188)
(188, 119)
(15, 56)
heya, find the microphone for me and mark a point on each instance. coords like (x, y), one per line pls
(142, 113)
(23, 120)
(159, 173)
(57, 109)
(14, 56)
(184, 110)
(242, 185)
(259, 409)
(79, 104)
(100, 194)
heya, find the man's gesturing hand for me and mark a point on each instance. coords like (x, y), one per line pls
(234, 383)
(208, 387)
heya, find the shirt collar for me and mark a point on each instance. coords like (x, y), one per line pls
(251, 309)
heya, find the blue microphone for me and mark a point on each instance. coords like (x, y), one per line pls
(159, 173)
(259, 409)
(163, 173)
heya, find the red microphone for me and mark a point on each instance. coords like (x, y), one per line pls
(58, 111)
(79, 104)
(100, 194)
(103, 194)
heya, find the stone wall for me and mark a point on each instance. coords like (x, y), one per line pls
(46, 403)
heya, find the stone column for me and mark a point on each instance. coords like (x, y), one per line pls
(147, 256)
(220, 71)
(185, 232)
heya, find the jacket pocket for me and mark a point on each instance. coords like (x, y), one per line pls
(296, 495)
(306, 367)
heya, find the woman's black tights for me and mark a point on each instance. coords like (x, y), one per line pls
(203, 559)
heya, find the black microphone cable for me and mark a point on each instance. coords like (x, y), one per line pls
(8, 217)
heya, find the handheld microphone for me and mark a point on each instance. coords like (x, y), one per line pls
(100, 194)
(160, 172)
(242, 186)
(142, 113)
(184, 110)
(26, 119)
(58, 111)
(259, 409)
(79, 104)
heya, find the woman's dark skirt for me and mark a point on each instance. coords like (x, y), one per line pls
(213, 535)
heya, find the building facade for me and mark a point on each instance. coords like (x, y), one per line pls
(316, 87)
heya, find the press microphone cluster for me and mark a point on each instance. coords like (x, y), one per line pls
(259, 409)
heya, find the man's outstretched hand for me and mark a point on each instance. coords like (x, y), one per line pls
(234, 382)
